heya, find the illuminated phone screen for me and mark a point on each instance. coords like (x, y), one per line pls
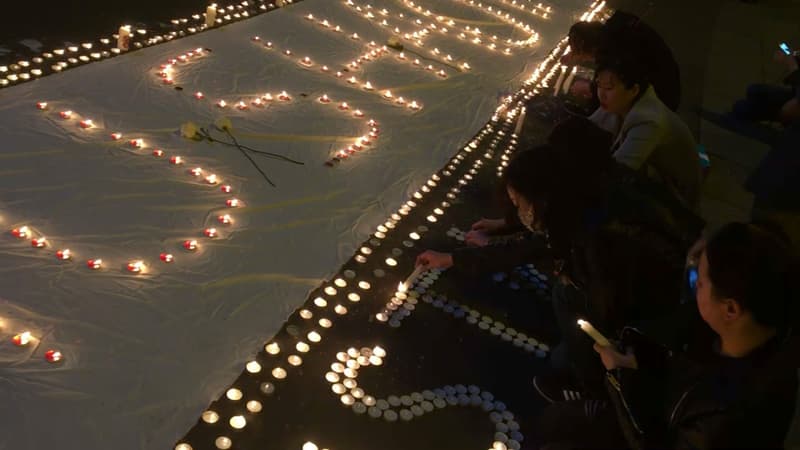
(786, 48)
(691, 278)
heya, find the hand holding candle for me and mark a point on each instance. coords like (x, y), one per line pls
(591, 331)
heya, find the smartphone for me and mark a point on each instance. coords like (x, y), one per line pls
(785, 48)
(691, 279)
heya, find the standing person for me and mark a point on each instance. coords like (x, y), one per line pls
(624, 33)
(736, 389)
(647, 135)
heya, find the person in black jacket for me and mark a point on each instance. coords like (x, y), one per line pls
(627, 34)
(608, 262)
(734, 386)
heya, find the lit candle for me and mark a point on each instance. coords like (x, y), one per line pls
(94, 264)
(284, 96)
(86, 123)
(413, 105)
(225, 219)
(190, 245)
(65, 114)
(116, 136)
(241, 105)
(22, 339)
(39, 242)
(41, 105)
(136, 266)
(232, 203)
(344, 106)
(124, 38)
(324, 99)
(211, 15)
(199, 95)
(226, 189)
(53, 356)
(210, 232)
(591, 331)
(222, 103)
(196, 171)
(166, 257)
(158, 153)
(64, 254)
(136, 143)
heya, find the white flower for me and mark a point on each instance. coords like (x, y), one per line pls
(189, 130)
(223, 123)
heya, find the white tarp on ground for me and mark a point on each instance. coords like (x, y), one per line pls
(145, 354)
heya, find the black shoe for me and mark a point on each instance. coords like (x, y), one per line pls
(558, 386)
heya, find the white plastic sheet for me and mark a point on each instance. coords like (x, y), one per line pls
(145, 354)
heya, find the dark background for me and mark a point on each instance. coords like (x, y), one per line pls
(55, 21)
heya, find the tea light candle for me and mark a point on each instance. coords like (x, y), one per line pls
(53, 356)
(324, 99)
(22, 339)
(224, 219)
(314, 337)
(166, 257)
(302, 347)
(279, 373)
(340, 310)
(94, 264)
(64, 254)
(39, 242)
(234, 394)
(589, 329)
(233, 203)
(65, 114)
(226, 189)
(254, 406)
(358, 113)
(241, 105)
(253, 367)
(199, 95)
(222, 103)
(136, 266)
(272, 348)
(175, 160)
(158, 153)
(344, 106)
(330, 290)
(210, 417)
(190, 245)
(86, 124)
(283, 96)
(223, 443)
(210, 232)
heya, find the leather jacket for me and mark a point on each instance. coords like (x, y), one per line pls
(674, 402)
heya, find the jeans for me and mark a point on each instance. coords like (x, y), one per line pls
(762, 102)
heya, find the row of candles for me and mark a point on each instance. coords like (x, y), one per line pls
(167, 73)
(274, 348)
(343, 378)
(372, 53)
(135, 266)
(537, 10)
(59, 59)
(366, 86)
(417, 37)
(508, 18)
